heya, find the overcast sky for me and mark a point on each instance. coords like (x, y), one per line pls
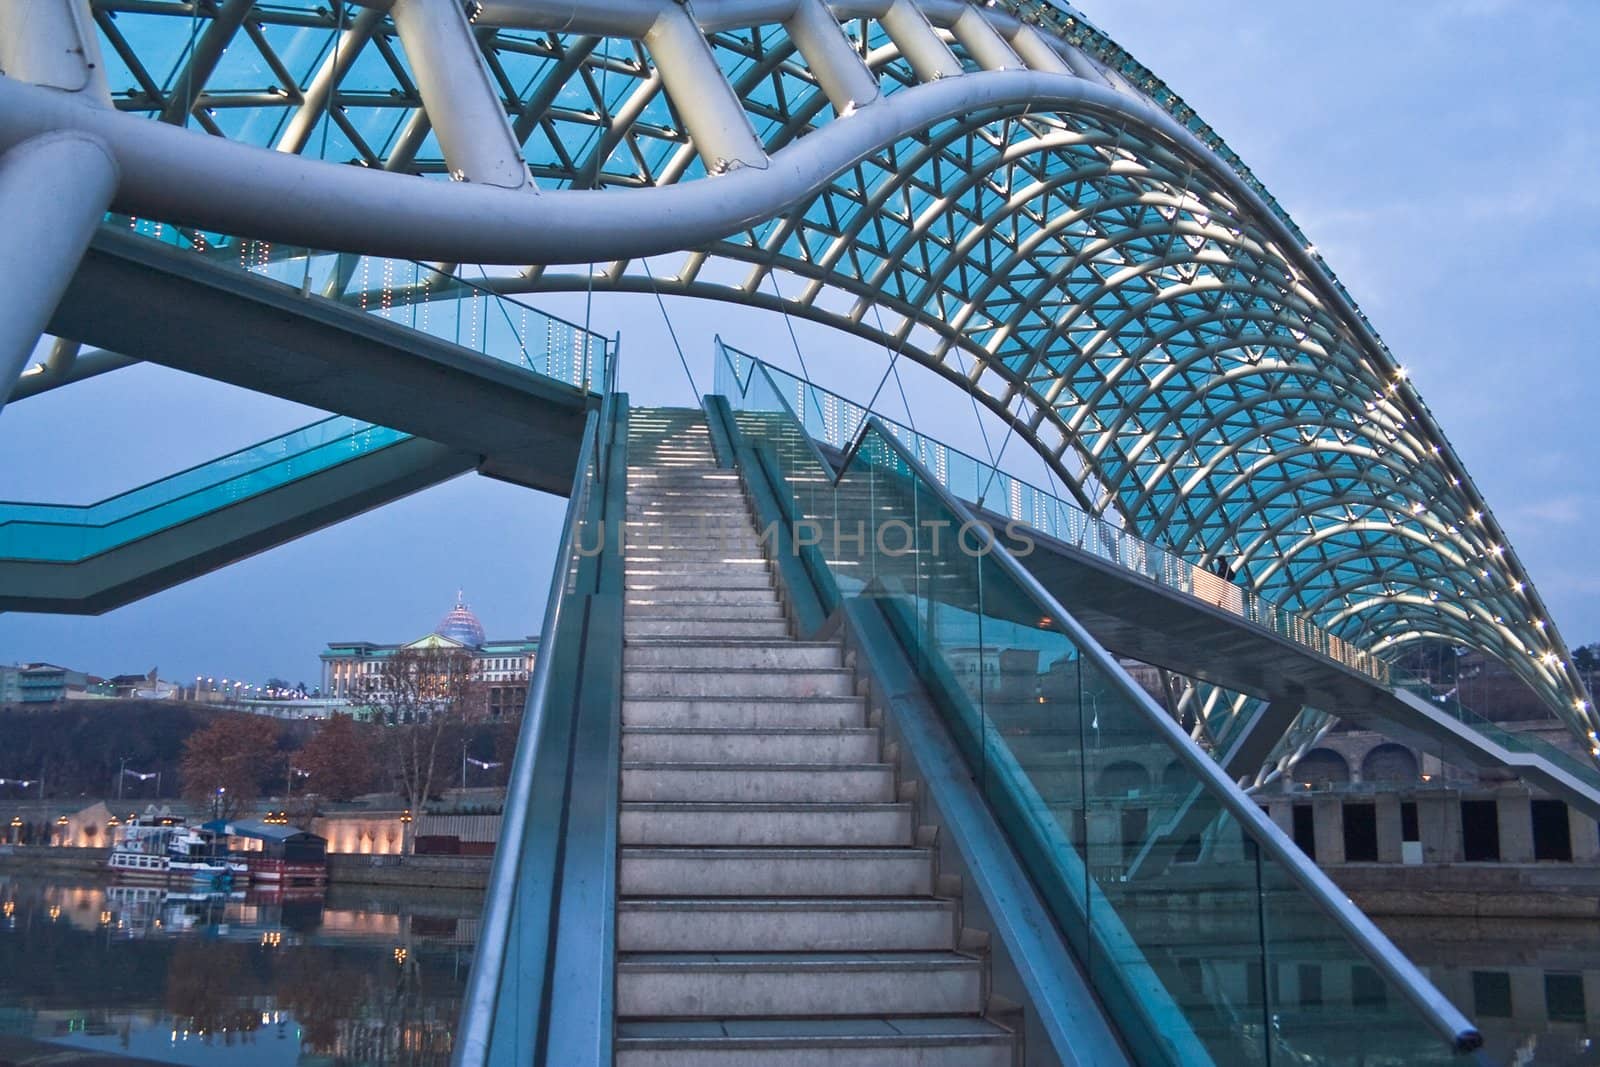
(1443, 156)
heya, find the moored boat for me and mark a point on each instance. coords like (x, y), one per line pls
(275, 852)
(163, 851)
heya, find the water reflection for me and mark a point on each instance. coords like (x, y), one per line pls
(356, 977)
(1531, 985)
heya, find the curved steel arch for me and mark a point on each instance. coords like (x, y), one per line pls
(969, 176)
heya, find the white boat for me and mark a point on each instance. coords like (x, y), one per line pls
(164, 851)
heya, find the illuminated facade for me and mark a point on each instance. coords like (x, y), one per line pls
(351, 670)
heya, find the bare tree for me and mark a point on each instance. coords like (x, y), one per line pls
(425, 697)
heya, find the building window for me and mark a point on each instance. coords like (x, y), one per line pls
(1480, 831)
(1552, 834)
(1563, 998)
(1367, 987)
(1361, 833)
(1409, 830)
(1310, 985)
(1305, 831)
(1491, 994)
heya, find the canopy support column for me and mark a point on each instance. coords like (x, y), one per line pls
(54, 189)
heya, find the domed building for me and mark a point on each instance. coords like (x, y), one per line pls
(460, 624)
(351, 670)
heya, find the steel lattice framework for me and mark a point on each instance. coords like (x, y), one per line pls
(999, 192)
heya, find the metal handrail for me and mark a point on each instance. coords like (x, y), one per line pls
(758, 365)
(483, 983)
(1440, 1013)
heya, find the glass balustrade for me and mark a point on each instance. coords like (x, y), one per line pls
(63, 533)
(414, 295)
(837, 422)
(1208, 936)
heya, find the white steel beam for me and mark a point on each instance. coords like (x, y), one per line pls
(711, 111)
(917, 40)
(462, 103)
(53, 43)
(837, 66)
(1036, 51)
(54, 189)
(983, 42)
(203, 58)
(177, 175)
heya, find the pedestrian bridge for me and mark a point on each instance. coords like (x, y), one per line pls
(783, 794)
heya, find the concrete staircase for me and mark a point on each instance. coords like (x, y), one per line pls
(774, 906)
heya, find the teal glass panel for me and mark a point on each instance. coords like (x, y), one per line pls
(837, 422)
(65, 533)
(1191, 927)
(414, 295)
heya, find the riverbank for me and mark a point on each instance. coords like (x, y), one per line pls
(406, 872)
(412, 872)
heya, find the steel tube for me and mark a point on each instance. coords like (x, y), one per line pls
(54, 43)
(187, 178)
(711, 111)
(983, 42)
(837, 67)
(346, 48)
(465, 108)
(911, 32)
(54, 189)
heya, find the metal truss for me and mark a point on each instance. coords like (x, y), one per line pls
(999, 192)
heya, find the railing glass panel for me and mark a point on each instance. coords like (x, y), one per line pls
(1209, 936)
(411, 295)
(1514, 741)
(64, 533)
(505, 1011)
(414, 295)
(835, 421)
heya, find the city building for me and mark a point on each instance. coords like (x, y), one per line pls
(351, 670)
(48, 683)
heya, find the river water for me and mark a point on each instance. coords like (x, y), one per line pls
(358, 976)
(375, 976)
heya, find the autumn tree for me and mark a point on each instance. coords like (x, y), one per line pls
(339, 760)
(225, 765)
(426, 696)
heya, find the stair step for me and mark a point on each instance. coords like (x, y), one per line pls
(811, 783)
(688, 512)
(938, 1041)
(727, 682)
(749, 566)
(707, 581)
(648, 607)
(764, 745)
(741, 713)
(710, 472)
(689, 537)
(639, 626)
(718, 597)
(775, 872)
(719, 985)
(692, 924)
(749, 655)
(681, 556)
(652, 608)
(765, 825)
